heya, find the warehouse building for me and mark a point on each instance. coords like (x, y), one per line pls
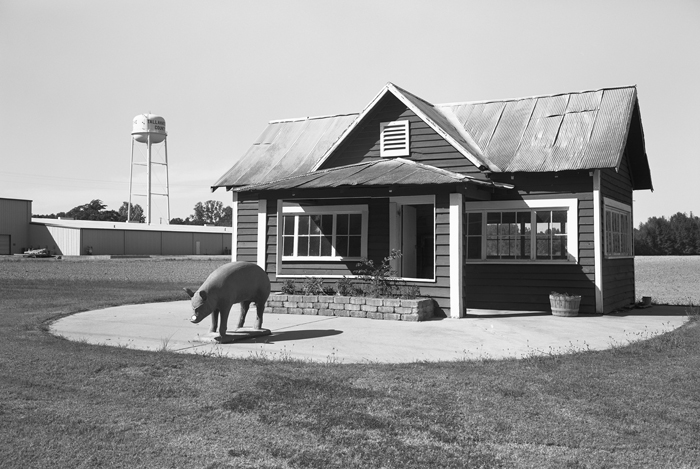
(15, 216)
(19, 232)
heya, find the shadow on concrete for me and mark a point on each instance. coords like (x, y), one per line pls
(299, 335)
(655, 310)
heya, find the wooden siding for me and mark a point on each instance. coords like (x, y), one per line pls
(526, 287)
(247, 231)
(378, 246)
(440, 290)
(427, 146)
(618, 274)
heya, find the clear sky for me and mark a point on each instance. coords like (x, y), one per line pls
(73, 74)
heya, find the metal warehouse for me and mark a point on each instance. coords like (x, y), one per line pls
(19, 232)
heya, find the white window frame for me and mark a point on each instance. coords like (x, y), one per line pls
(618, 208)
(568, 204)
(289, 208)
(402, 126)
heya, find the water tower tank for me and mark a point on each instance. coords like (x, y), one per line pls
(149, 124)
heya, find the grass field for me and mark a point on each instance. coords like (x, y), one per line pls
(73, 405)
(672, 280)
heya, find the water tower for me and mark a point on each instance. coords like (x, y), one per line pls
(150, 130)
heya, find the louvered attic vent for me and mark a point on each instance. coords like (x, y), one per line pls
(394, 139)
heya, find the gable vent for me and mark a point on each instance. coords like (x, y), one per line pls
(394, 138)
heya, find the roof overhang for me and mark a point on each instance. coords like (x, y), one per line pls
(396, 172)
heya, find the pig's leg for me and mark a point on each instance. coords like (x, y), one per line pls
(244, 310)
(214, 320)
(224, 320)
(260, 306)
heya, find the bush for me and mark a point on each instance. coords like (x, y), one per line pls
(345, 287)
(288, 287)
(378, 280)
(313, 286)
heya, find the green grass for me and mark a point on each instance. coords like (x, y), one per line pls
(70, 404)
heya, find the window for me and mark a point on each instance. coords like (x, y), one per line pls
(618, 229)
(394, 138)
(521, 231)
(324, 233)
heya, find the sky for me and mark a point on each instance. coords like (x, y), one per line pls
(74, 74)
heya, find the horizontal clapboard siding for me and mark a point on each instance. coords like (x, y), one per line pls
(618, 274)
(427, 146)
(247, 230)
(526, 287)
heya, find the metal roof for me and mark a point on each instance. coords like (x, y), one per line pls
(569, 131)
(583, 130)
(116, 225)
(286, 148)
(376, 173)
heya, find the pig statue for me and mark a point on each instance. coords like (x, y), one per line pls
(237, 282)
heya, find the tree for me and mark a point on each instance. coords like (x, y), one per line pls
(211, 212)
(676, 236)
(95, 210)
(136, 213)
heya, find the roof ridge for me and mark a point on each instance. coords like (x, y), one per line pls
(488, 101)
(308, 118)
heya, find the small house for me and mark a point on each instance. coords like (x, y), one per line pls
(493, 204)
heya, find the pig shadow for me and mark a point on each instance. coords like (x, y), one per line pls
(299, 335)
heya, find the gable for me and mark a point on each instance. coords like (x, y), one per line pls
(426, 145)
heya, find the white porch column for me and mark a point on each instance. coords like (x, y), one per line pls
(262, 233)
(456, 256)
(598, 242)
(234, 227)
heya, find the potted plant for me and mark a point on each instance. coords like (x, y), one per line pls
(564, 304)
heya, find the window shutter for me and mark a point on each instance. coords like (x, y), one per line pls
(394, 138)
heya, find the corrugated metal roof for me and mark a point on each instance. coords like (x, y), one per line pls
(116, 225)
(570, 131)
(377, 173)
(583, 130)
(286, 148)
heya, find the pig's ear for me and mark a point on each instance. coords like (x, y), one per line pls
(189, 292)
(203, 294)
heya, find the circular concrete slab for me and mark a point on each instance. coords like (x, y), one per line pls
(159, 326)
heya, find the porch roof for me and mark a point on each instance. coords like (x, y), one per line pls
(377, 173)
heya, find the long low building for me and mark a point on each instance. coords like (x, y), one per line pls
(86, 237)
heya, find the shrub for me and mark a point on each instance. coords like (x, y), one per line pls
(345, 287)
(378, 280)
(288, 287)
(313, 286)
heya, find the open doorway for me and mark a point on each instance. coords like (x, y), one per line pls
(414, 235)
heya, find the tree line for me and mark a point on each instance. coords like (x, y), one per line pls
(211, 212)
(678, 235)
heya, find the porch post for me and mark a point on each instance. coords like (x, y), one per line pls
(262, 231)
(234, 226)
(598, 243)
(456, 256)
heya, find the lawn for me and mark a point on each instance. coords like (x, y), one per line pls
(70, 404)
